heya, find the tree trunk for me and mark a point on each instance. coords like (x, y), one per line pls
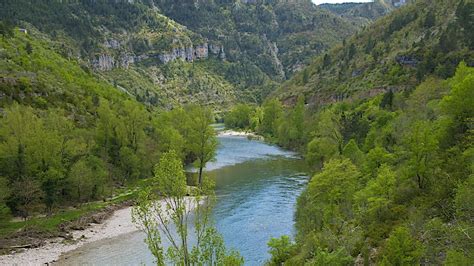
(200, 175)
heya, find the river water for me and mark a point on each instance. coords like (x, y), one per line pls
(256, 186)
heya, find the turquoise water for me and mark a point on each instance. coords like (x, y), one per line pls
(256, 186)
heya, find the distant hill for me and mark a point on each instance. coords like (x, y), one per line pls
(361, 13)
(168, 53)
(395, 53)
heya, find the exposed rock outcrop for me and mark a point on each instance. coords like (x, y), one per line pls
(192, 53)
(106, 62)
(406, 60)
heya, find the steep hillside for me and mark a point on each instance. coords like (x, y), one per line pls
(276, 36)
(68, 137)
(129, 44)
(33, 74)
(230, 50)
(397, 52)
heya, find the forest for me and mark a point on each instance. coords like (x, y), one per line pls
(393, 180)
(61, 148)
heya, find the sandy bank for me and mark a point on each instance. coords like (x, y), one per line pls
(118, 224)
(230, 132)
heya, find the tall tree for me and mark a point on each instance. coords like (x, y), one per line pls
(331, 202)
(157, 217)
(272, 111)
(202, 139)
(402, 249)
(422, 146)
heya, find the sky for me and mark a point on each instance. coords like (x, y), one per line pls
(317, 2)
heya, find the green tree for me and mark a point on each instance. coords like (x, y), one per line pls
(458, 103)
(281, 250)
(430, 19)
(272, 111)
(329, 196)
(402, 249)
(6, 29)
(130, 164)
(305, 76)
(202, 141)
(27, 196)
(375, 199)
(87, 179)
(256, 118)
(387, 100)
(239, 117)
(422, 146)
(328, 141)
(464, 200)
(326, 60)
(156, 216)
(108, 128)
(352, 151)
(464, 13)
(374, 159)
(291, 128)
(338, 257)
(26, 151)
(51, 186)
(134, 125)
(320, 150)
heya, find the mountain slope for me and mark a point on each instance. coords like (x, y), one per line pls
(396, 53)
(128, 44)
(232, 50)
(277, 36)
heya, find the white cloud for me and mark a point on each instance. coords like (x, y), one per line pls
(318, 2)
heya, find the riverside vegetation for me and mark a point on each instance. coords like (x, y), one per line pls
(66, 147)
(393, 182)
(385, 120)
(157, 219)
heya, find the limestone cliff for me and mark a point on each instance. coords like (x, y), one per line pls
(106, 61)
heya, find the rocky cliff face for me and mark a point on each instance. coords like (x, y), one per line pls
(190, 53)
(107, 62)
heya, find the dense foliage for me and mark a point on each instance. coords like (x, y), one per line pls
(67, 138)
(388, 128)
(393, 182)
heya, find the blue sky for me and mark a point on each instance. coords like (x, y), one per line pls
(317, 2)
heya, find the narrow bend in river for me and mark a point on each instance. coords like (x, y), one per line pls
(256, 184)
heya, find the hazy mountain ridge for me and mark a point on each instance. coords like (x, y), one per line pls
(361, 12)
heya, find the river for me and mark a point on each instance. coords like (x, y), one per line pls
(256, 186)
